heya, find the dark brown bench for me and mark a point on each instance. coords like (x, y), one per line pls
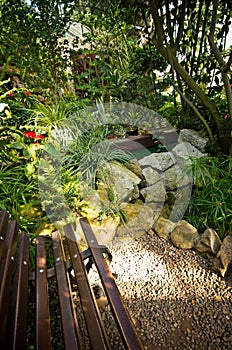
(25, 302)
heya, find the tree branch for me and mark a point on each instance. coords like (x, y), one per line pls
(224, 67)
(159, 38)
(199, 16)
(200, 116)
(181, 25)
(228, 63)
(169, 26)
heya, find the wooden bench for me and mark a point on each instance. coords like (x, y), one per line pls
(19, 295)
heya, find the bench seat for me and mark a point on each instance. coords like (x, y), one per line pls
(25, 302)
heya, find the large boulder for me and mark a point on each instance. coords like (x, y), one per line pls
(184, 235)
(209, 243)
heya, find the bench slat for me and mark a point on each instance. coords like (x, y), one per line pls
(126, 327)
(19, 302)
(4, 218)
(90, 308)
(42, 324)
(68, 316)
(6, 275)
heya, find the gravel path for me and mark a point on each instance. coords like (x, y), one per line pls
(175, 299)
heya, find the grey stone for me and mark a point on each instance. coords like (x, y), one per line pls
(159, 161)
(179, 202)
(121, 181)
(184, 150)
(193, 137)
(151, 175)
(154, 193)
(157, 208)
(175, 177)
(184, 235)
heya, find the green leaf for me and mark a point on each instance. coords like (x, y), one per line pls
(29, 169)
(16, 145)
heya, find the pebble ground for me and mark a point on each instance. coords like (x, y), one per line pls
(176, 301)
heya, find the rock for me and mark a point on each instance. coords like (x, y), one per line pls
(166, 210)
(209, 243)
(194, 138)
(223, 261)
(105, 229)
(184, 235)
(133, 165)
(154, 193)
(121, 181)
(151, 176)
(135, 193)
(150, 161)
(103, 195)
(159, 161)
(157, 208)
(139, 219)
(163, 227)
(178, 202)
(175, 177)
(184, 150)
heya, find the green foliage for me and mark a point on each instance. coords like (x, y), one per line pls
(18, 103)
(211, 201)
(16, 192)
(143, 85)
(90, 152)
(50, 115)
(172, 112)
(30, 37)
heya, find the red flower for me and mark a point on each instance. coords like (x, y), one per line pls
(29, 134)
(38, 137)
(10, 70)
(27, 93)
(33, 135)
(11, 94)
